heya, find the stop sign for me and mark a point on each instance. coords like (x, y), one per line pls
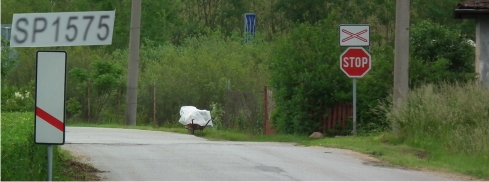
(355, 62)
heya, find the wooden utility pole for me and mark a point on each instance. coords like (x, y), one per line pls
(133, 66)
(401, 60)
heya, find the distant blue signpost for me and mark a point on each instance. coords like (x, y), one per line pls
(249, 26)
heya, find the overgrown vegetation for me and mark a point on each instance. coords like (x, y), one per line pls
(305, 77)
(192, 53)
(23, 160)
(449, 119)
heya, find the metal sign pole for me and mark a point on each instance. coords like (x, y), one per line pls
(50, 162)
(354, 106)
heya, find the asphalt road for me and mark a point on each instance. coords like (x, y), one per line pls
(136, 155)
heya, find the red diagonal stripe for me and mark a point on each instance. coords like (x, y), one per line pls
(50, 119)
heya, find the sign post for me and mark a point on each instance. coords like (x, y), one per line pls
(53, 30)
(355, 62)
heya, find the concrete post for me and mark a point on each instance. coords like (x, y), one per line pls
(482, 50)
(133, 65)
(401, 57)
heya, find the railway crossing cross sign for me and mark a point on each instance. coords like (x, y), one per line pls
(354, 35)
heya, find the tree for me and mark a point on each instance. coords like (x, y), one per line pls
(96, 87)
(444, 50)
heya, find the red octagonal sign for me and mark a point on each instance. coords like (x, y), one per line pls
(355, 62)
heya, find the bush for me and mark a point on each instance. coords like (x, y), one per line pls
(444, 51)
(437, 54)
(17, 99)
(373, 89)
(199, 73)
(306, 78)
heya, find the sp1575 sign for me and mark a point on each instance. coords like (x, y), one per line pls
(62, 29)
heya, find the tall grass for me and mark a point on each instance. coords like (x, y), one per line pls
(447, 118)
(22, 159)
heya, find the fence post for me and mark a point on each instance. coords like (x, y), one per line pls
(154, 103)
(265, 113)
(119, 95)
(88, 100)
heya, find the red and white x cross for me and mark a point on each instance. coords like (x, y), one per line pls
(354, 35)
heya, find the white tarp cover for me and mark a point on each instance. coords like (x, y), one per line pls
(200, 117)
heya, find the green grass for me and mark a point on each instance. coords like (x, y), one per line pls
(450, 122)
(23, 160)
(385, 148)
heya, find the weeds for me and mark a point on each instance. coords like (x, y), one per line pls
(23, 160)
(446, 120)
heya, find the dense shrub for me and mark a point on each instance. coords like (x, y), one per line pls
(373, 89)
(306, 78)
(17, 99)
(439, 54)
(199, 72)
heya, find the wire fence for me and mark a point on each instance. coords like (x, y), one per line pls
(241, 110)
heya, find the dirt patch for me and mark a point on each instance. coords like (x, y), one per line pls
(364, 157)
(78, 167)
(421, 154)
(455, 176)
(77, 155)
(79, 171)
(418, 153)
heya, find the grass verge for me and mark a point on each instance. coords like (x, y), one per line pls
(23, 160)
(450, 121)
(387, 148)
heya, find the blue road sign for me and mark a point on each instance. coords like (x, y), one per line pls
(249, 26)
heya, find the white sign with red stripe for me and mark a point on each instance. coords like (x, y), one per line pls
(49, 125)
(354, 35)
